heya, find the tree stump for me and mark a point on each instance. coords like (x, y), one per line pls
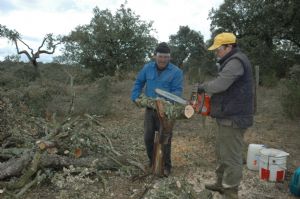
(161, 139)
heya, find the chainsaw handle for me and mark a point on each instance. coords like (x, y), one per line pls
(202, 101)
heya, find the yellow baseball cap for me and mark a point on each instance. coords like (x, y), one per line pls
(223, 38)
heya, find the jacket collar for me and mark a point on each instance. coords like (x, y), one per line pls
(232, 52)
(168, 67)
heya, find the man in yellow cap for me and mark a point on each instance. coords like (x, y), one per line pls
(232, 106)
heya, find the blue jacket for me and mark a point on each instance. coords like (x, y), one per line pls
(170, 79)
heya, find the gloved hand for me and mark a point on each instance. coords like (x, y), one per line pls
(201, 89)
(195, 88)
(138, 102)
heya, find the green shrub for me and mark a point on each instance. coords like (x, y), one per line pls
(37, 95)
(9, 81)
(196, 75)
(291, 97)
(13, 75)
(89, 98)
(25, 73)
(61, 73)
(15, 97)
(94, 98)
(269, 80)
(52, 93)
(36, 98)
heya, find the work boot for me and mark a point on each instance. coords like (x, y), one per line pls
(217, 186)
(167, 172)
(230, 193)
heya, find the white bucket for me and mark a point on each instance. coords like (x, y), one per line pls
(272, 164)
(253, 156)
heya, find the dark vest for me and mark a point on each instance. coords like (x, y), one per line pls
(236, 103)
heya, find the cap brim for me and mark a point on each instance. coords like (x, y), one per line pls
(213, 47)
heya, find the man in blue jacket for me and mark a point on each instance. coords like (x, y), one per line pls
(166, 76)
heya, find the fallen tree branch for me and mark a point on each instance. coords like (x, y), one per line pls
(109, 142)
(27, 174)
(38, 179)
(147, 188)
(138, 165)
(14, 166)
(12, 152)
(58, 161)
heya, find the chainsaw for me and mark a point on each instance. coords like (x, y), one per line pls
(199, 101)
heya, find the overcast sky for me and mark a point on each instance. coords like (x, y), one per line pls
(33, 19)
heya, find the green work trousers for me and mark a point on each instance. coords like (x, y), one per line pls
(229, 153)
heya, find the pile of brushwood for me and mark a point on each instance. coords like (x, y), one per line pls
(33, 149)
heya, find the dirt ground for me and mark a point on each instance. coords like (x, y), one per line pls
(192, 154)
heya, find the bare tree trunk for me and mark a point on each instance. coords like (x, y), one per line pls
(37, 73)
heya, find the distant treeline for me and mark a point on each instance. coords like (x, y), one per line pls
(268, 31)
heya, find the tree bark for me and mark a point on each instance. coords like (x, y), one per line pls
(158, 156)
(12, 152)
(167, 113)
(161, 139)
(14, 166)
(171, 110)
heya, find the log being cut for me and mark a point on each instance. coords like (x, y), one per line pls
(172, 110)
(167, 113)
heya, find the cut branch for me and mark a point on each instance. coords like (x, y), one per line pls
(25, 178)
(171, 110)
(12, 152)
(14, 166)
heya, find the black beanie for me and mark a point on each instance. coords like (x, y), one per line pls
(162, 48)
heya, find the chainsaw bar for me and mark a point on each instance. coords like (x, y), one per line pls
(171, 96)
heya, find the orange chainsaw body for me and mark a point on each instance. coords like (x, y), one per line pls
(200, 103)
